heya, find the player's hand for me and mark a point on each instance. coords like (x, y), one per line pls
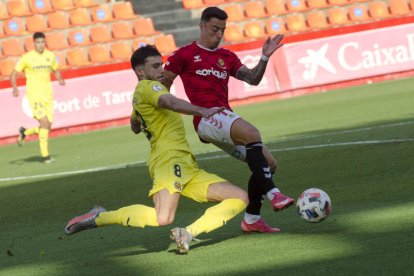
(15, 92)
(208, 112)
(135, 126)
(272, 44)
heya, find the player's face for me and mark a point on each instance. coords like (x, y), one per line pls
(152, 70)
(39, 45)
(212, 32)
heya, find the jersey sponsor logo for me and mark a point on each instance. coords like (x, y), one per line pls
(178, 186)
(157, 88)
(220, 63)
(212, 71)
(197, 58)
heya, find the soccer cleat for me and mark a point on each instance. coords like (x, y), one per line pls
(182, 238)
(280, 202)
(84, 222)
(21, 137)
(259, 226)
(47, 160)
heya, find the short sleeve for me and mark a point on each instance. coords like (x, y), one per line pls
(175, 63)
(54, 63)
(236, 64)
(20, 65)
(153, 91)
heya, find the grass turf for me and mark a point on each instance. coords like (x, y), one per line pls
(318, 141)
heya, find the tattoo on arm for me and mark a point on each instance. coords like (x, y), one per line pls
(252, 76)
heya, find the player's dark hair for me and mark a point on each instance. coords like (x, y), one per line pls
(213, 12)
(140, 55)
(37, 35)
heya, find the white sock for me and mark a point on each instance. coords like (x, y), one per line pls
(270, 194)
(251, 218)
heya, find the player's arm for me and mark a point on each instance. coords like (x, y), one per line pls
(254, 76)
(173, 103)
(14, 83)
(59, 77)
(169, 78)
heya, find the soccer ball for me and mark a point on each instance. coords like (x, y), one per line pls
(314, 205)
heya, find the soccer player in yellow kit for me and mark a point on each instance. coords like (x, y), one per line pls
(171, 164)
(37, 66)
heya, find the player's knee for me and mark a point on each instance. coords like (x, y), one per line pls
(242, 195)
(253, 135)
(164, 220)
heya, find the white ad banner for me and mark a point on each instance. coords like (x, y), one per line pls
(350, 56)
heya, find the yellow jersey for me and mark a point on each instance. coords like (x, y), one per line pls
(37, 68)
(164, 128)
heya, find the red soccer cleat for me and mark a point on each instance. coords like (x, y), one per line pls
(259, 226)
(280, 202)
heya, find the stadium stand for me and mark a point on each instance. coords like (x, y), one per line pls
(3, 11)
(36, 23)
(56, 41)
(58, 20)
(358, 13)
(14, 26)
(12, 47)
(235, 12)
(85, 3)
(99, 54)
(28, 43)
(123, 10)
(100, 34)
(102, 13)
(79, 37)
(399, 7)
(80, 17)
(18, 8)
(121, 50)
(62, 4)
(275, 26)
(254, 29)
(192, 4)
(144, 27)
(317, 20)
(276, 7)
(296, 23)
(7, 66)
(40, 6)
(77, 57)
(255, 9)
(122, 30)
(296, 5)
(378, 10)
(165, 44)
(233, 33)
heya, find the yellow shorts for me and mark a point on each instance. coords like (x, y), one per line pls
(41, 107)
(178, 172)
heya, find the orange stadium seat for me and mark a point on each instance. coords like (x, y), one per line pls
(192, 4)
(213, 2)
(56, 41)
(18, 8)
(398, 7)
(275, 26)
(123, 10)
(36, 23)
(337, 16)
(85, 3)
(4, 14)
(100, 33)
(102, 13)
(122, 30)
(1, 31)
(412, 5)
(7, 66)
(62, 4)
(378, 10)
(255, 9)
(317, 19)
(61, 60)
(276, 7)
(296, 23)
(14, 26)
(254, 29)
(99, 53)
(58, 20)
(28, 43)
(144, 27)
(80, 17)
(235, 12)
(233, 33)
(121, 50)
(165, 43)
(317, 4)
(140, 42)
(79, 37)
(296, 5)
(40, 6)
(338, 2)
(358, 13)
(12, 47)
(77, 57)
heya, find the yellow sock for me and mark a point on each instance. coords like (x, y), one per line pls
(134, 215)
(43, 141)
(217, 216)
(31, 131)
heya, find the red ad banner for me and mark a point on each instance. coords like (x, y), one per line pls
(346, 57)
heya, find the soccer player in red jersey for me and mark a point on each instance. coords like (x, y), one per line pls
(205, 70)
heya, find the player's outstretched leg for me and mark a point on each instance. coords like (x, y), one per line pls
(259, 226)
(84, 222)
(280, 201)
(182, 238)
(21, 137)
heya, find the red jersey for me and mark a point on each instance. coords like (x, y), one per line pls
(205, 74)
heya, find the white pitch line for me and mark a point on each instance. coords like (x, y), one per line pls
(142, 163)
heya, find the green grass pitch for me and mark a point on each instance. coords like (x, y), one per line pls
(357, 144)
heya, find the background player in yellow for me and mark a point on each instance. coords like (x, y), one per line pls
(37, 66)
(171, 164)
